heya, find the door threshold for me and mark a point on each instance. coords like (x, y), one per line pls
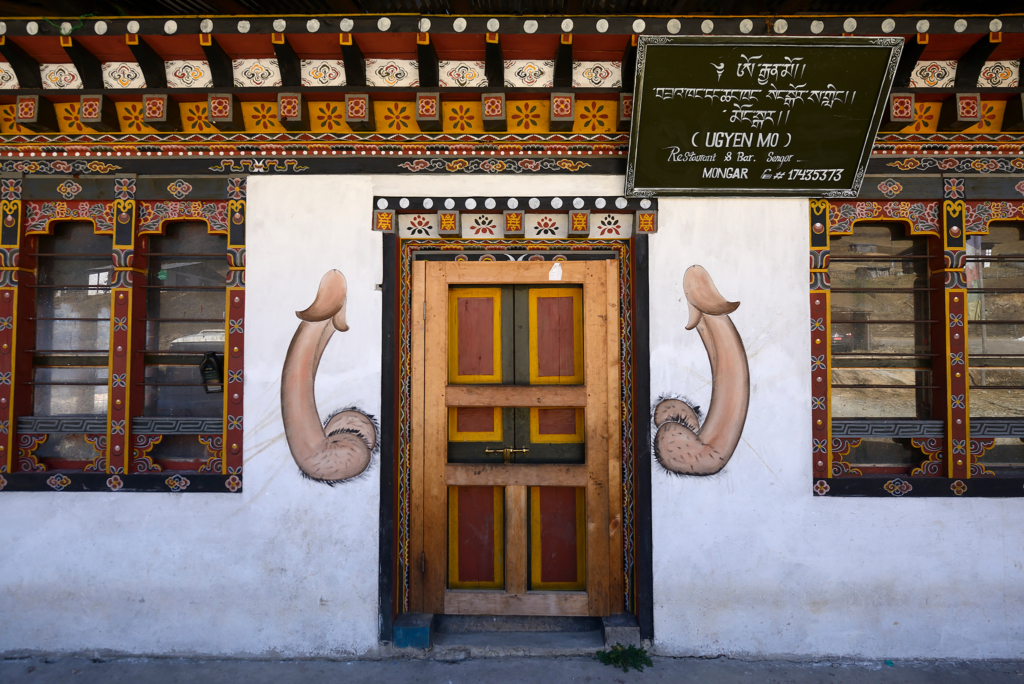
(489, 636)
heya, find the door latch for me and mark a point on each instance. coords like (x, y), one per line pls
(507, 453)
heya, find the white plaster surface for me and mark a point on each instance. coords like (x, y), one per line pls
(749, 562)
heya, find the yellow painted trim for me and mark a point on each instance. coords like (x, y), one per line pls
(577, 323)
(455, 436)
(454, 295)
(536, 581)
(537, 438)
(499, 542)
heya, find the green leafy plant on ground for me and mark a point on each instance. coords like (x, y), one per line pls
(625, 657)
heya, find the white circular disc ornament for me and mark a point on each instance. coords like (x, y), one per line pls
(850, 25)
(602, 25)
(567, 26)
(383, 24)
(404, 203)
(923, 26)
(470, 203)
(243, 26)
(493, 25)
(639, 25)
(960, 25)
(645, 203)
(170, 27)
(490, 203)
(512, 203)
(534, 202)
(346, 25)
(621, 202)
(674, 26)
(556, 202)
(746, 26)
(382, 203)
(578, 203)
(817, 26)
(530, 25)
(995, 26)
(781, 26)
(599, 203)
(206, 26)
(449, 203)
(888, 26)
(427, 203)
(459, 25)
(133, 26)
(65, 28)
(313, 25)
(707, 26)
(100, 27)
(424, 25)
(280, 25)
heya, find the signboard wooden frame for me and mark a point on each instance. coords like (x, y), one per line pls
(826, 134)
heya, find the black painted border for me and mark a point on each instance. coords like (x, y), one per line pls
(388, 429)
(920, 487)
(644, 565)
(78, 481)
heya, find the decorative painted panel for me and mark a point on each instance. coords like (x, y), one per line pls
(460, 74)
(188, 73)
(529, 73)
(256, 73)
(123, 75)
(933, 74)
(597, 74)
(8, 79)
(605, 226)
(60, 77)
(485, 226)
(1001, 74)
(417, 225)
(392, 73)
(323, 72)
(547, 226)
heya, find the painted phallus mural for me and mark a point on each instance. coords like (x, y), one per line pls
(682, 444)
(341, 448)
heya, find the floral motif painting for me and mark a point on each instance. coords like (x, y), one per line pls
(529, 116)
(60, 77)
(482, 226)
(328, 117)
(529, 73)
(129, 118)
(392, 73)
(68, 120)
(926, 118)
(323, 72)
(256, 73)
(595, 116)
(1001, 74)
(462, 117)
(195, 117)
(461, 74)
(123, 75)
(547, 226)
(597, 74)
(417, 226)
(933, 74)
(261, 117)
(991, 117)
(395, 117)
(8, 123)
(188, 73)
(610, 226)
(8, 79)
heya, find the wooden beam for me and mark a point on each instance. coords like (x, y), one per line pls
(26, 68)
(1013, 117)
(89, 67)
(516, 536)
(220, 64)
(513, 273)
(560, 396)
(494, 63)
(475, 602)
(426, 55)
(969, 67)
(515, 475)
(355, 64)
(563, 63)
(912, 51)
(289, 64)
(629, 68)
(152, 64)
(435, 439)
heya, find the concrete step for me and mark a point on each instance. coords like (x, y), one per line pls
(463, 624)
(490, 644)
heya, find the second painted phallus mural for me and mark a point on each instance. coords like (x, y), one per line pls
(341, 448)
(682, 443)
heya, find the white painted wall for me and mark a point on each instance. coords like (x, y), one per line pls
(746, 562)
(749, 562)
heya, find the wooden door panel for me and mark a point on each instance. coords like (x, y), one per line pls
(558, 538)
(476, 531)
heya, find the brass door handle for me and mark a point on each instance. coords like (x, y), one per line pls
(507, 452)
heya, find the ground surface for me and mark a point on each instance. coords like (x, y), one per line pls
(41, 670)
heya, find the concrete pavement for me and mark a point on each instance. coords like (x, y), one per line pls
(77, 670)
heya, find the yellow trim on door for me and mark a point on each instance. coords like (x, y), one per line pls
(577, 336)
(454, 294)
(454, 435)
(537, 438)
(499, 542)
(536, 581)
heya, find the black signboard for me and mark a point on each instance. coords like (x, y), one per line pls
(736, 116)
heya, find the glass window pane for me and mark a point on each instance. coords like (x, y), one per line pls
(890, 306)
(1005, 454)
(994, 338)
(66, 448)
(70, 399)
(887, 338)
(880, 393)
(185, 336)
(885, 452)
(180, 399)
(180, 448)
(186, 304)
(997, 392)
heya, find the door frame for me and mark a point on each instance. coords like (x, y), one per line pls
(397, 565)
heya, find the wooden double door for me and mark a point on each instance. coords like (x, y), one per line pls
(516, 419)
